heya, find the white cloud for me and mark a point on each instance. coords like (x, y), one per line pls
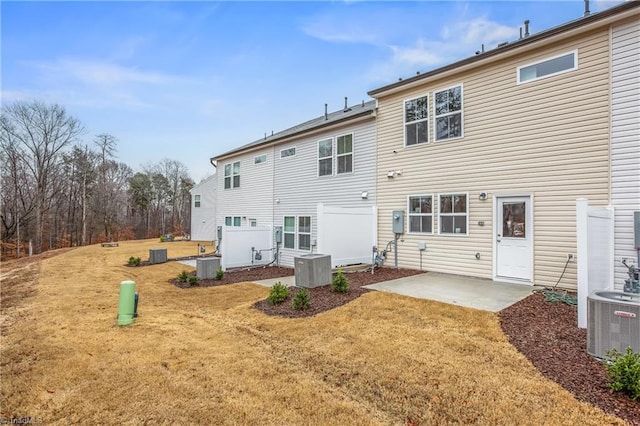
(104, 73)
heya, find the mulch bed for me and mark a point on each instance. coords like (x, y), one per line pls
(232, 277)
(548, 335)
(324, 298)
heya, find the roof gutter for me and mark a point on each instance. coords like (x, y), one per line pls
(573, 28)
(356, 118)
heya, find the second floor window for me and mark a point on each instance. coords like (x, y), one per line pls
(325, 157)
(196, 201)
(232, 175)
(448, 113)
(416, 121)
(345, 153)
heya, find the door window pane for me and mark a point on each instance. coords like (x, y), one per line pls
(514, 220)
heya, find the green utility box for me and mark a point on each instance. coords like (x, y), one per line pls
(126, 305)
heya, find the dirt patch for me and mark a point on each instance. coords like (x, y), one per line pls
(547, 334)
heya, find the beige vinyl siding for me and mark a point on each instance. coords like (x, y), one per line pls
(254, 198)
(546, 138)
(625, 141)
(299, 189)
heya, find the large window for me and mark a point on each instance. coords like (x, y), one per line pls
(325, 157)
(421, 214)
(453, 214)
(448, 113)
(196, 201)
(304, 232)
(232, 175)
(290, 232)
(549, 67)
(416, 121)
(345, 153)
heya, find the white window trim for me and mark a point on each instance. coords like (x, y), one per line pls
(404, 121)
(353, 149)
(284, 231)
(575, 67)
(453, 234)
(295, 152)
(435, 117)
(255, 159)
(433, 198)
(231, 176)
(333, 170)
(298, 232)
(197, 201)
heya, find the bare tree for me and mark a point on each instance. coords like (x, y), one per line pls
(39, 133)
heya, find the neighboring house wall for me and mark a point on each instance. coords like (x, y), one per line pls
(253, 199)
(547, 139)
(625, 141)
(203, 216)
(299, 189)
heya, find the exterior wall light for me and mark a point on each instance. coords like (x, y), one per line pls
(364, 195)
(482, 196)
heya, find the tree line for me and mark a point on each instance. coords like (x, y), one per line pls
(60, 190)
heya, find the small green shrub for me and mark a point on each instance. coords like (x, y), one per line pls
(193, 280)
(340, 283)
(219, 274)
(134, 261)
(163, 238)
(301, 300)
(278, 293)
(183, 276)
(624, 370)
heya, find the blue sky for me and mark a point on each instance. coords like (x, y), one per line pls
(190, 80)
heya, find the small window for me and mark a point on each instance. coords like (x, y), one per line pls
(416, 121)
(421, 214)
(233, 221)
(304, 232)
(345, 153)
(289, 232)
(549, 67)
(289, 152)
(232, 175)
(260, 159)
(325, 157)
(196, 201)
(453, 214)
(448, 113)
(253, 223)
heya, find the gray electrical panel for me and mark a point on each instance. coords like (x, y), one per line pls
(219, 230)
(278, 234)
(636, 228)
(398, 222)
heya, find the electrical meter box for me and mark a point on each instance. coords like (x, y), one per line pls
(219, 230)
(398, 222)
(278, 234)
(636, 229)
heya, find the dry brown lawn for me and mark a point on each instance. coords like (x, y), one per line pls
(205, 356)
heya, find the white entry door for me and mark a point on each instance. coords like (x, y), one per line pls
(514, 238)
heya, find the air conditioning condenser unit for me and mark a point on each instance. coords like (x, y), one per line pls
(613, 322)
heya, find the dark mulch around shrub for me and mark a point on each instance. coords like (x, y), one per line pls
(324, 298)
(547, 334)
(242, 275)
